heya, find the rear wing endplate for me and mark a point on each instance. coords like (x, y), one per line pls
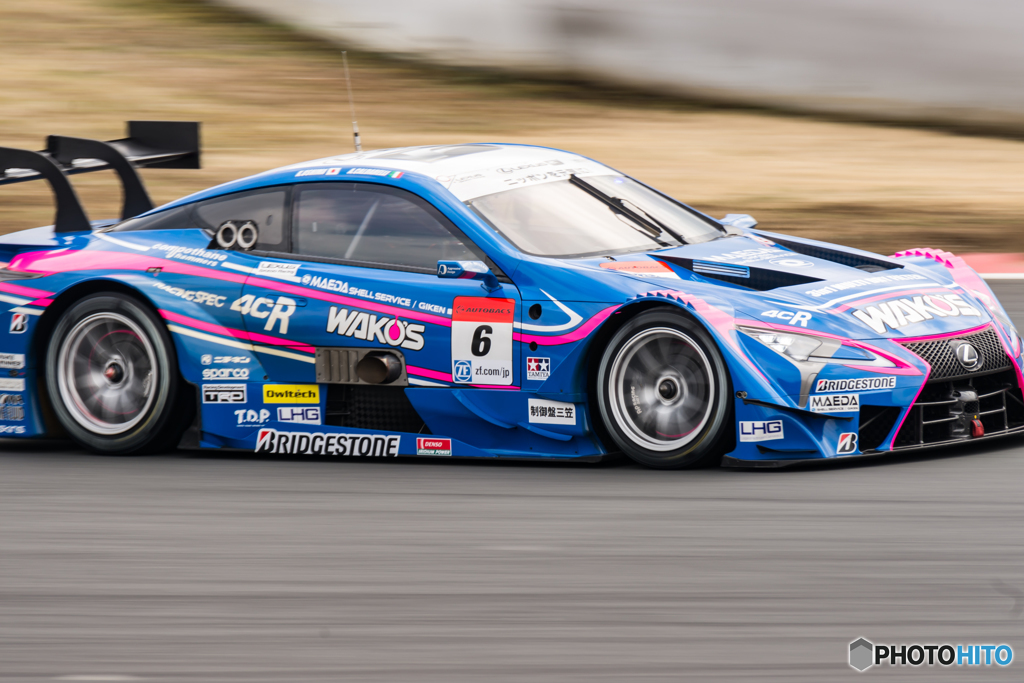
(150, 144)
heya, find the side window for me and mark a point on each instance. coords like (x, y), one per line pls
(373, 225)
(266, 208)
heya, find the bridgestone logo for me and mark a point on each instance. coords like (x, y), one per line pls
(857, 384)
(317, 443)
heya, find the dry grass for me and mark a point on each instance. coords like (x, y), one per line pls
(268, 97)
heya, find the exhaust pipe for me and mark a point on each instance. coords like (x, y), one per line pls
(379, 368)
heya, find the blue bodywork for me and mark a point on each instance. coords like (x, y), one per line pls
(267, 344)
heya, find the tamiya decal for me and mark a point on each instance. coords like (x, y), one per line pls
(307, 415)
(862, 282)
(835, 403)
(12, 407)
(196, 296)
(428, 445)
(552, 412)
(538, 368)
(855, 384)
(275, 269)
(210, 359)
(482, 340)
(305, 443)
(362, 325)
(12, 361)
(898, 313)
(642, 269)
(9, 384)
(790, 317)
(19, 323)
(224, 393)
(225, 373)
(769, 430)
(847, 443)
(377, 172)
(291, 393)
(265, 308)
(12, 429)
(252, 418)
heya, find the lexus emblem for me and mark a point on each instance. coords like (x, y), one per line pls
(968, 356)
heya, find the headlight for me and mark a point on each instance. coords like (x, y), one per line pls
(814, 349)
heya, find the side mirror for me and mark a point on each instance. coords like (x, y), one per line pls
(738, 220)
(468, 270)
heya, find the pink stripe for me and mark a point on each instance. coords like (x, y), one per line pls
(577, 334)
(24, 291)
(432, 374)
(888, 295)
(944, 335)
(42, 303)
(907, 413)
(238, 334)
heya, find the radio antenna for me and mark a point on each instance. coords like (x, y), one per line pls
(351, 103)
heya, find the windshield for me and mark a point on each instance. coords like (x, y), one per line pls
(589, 216)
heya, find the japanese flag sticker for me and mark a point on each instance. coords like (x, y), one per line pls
(482, 340)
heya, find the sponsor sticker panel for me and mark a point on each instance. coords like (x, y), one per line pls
(224, 393)
(12, 361)
(291, 393)
(307, 415)
(835, 403)
(552, 412)
(761, 430)
(538, 368)
(482, 340)
(855, 384)
(278, 442)
(428, 445)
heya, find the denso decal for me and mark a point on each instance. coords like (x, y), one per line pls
(12, 361)
(291, 393)
(362, 325)
(224, 393)
(899, 313)
(192, 295)
(428, 445)
(482, 340)
(304, 443)
(266, 308)
(835, 403)
(769, 430)
(856, 384)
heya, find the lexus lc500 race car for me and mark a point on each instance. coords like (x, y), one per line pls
(476, 300)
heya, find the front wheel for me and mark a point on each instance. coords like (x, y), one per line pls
(112, 376)
(663, 391)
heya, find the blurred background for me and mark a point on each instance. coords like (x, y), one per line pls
(878, 125)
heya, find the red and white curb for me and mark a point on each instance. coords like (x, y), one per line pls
(997, 266)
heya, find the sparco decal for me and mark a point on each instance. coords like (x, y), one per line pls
(835, 403)
(855, 384)
(361, 325)
(898, 313)
(317, 443)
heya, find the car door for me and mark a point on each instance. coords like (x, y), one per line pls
(360, 272)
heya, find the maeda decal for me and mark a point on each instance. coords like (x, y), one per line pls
(835, 403)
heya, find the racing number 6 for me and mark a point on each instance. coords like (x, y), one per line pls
(481, 345)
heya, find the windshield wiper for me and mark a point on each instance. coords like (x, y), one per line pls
(622, 205)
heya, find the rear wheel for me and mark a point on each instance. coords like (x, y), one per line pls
(663, 391)
(112, 376)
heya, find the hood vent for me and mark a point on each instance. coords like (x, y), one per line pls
(865, 263)
(750, 277)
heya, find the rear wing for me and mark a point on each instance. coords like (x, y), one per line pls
(151, 144)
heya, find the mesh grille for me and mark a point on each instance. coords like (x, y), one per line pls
(875, 424)
(384, 408)
(940, 355)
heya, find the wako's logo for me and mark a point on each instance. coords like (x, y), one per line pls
(899, 313)
(967, 355)
(361, 325)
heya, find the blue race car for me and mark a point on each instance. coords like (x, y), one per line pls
(476, 300)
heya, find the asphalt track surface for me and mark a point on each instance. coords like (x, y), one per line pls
(205, 567)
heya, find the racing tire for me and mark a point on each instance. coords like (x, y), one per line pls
(112, 376)
(664, 393)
